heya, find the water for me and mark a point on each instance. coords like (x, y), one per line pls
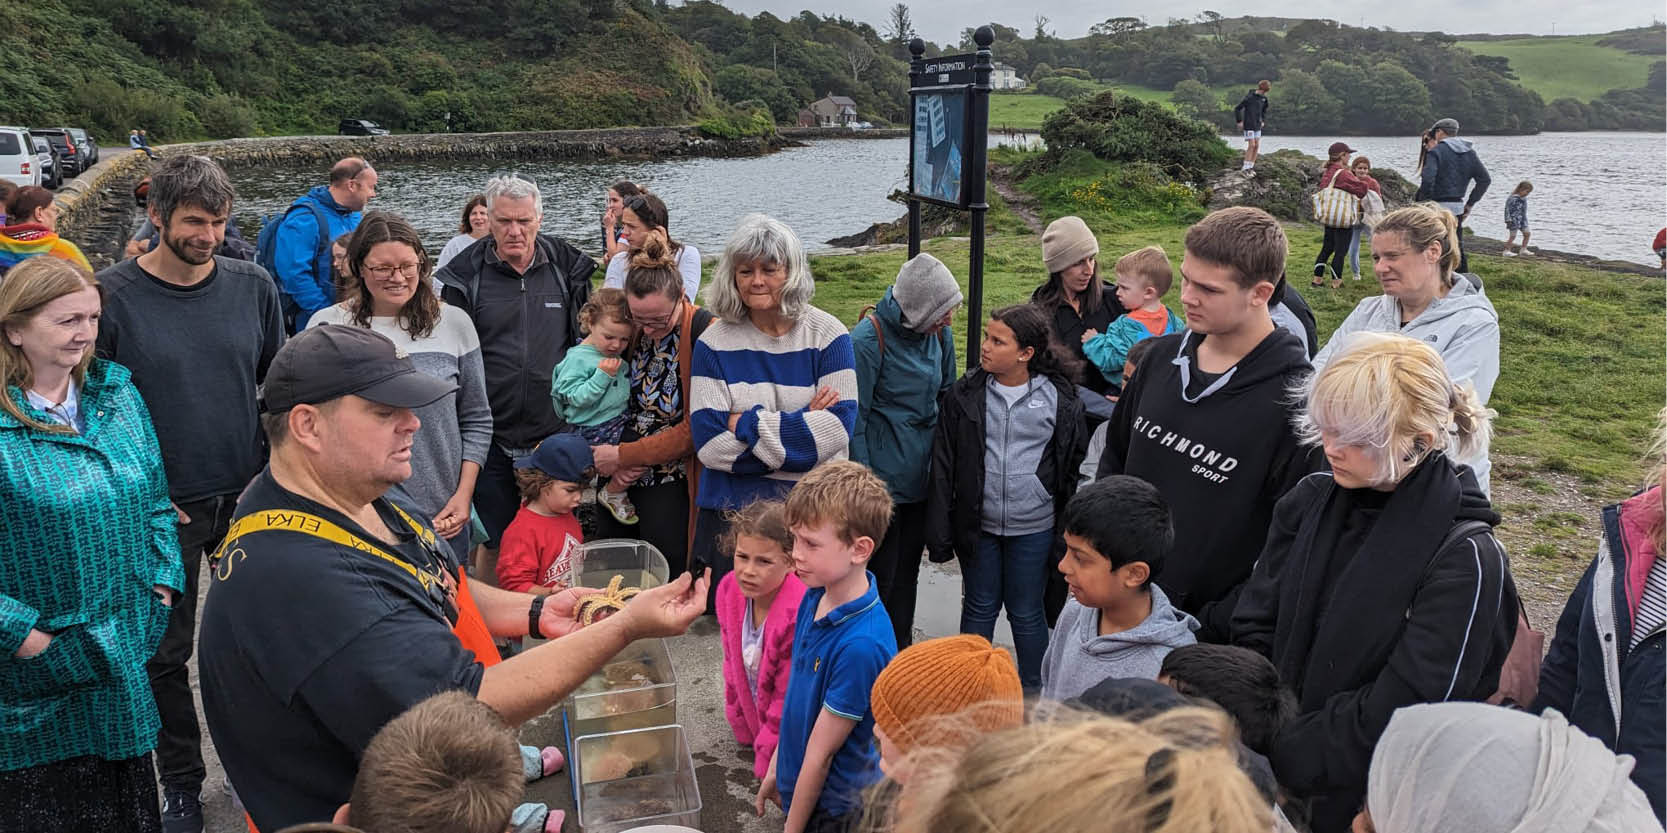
(1595, 193)
(1601, 194)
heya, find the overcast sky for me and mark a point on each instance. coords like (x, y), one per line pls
(942, 22)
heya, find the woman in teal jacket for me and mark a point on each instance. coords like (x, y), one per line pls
(905, 359)
(89, 563)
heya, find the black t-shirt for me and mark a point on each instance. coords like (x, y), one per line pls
(308, 648)
(1197, 380)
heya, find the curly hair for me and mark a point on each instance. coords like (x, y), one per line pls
(604, 303)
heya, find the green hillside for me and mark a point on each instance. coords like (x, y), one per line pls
(1569, 67)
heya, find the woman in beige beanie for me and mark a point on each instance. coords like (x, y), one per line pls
(1077, 299)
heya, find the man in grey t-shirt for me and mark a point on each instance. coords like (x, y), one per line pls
(197, 331)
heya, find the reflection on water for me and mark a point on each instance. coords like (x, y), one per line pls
(1602, 194)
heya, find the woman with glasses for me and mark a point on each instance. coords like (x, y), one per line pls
(388, 275)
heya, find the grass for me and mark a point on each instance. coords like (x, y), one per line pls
(1025, 110)
(1582, 367)
(1569, 67)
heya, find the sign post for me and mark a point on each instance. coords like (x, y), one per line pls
(949, 106)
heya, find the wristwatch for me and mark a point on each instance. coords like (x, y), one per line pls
(533, 615)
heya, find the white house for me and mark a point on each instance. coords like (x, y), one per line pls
(1004, 77)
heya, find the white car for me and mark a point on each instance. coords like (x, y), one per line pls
(18, 163)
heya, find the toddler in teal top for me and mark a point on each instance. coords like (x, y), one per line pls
(592, 385)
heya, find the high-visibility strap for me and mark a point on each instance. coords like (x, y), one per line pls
(306, 523)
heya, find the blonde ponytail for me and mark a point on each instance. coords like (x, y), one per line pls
(1422, 224)
(1472, 421)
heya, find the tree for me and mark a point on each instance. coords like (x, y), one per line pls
(1041, 27)
(1114, 27)
(1213, 20)
(901, 27)
(1305, 105)
(1192, 98)
(858, 54)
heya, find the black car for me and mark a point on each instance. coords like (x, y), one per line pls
(85, 142)
(71, 161)
(52, 168)
(360, 127)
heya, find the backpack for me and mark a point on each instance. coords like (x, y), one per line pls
(266, 251)
(1372, 209)
(1519, 674)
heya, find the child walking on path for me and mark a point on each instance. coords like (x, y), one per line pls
(1143, 277)
(758, 605)
(1004, 462)
(1516, 219)
(588, 391)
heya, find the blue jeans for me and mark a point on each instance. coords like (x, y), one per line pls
(1354, 249)
(1011, 571)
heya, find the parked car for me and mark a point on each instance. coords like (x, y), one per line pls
(360, 127)
(68, 153)
(52, 171)
(85, 143)
(18, 163)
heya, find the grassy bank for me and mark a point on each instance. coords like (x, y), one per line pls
(1571, 67)
(1582, 364)
(1025, 110)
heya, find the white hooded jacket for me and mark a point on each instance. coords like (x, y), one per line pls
(1463, 327)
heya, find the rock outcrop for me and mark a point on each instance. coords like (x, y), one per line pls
(1282, 182)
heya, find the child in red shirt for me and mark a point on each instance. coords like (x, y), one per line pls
(538, 546)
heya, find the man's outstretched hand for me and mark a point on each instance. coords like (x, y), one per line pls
(667, 610)
(560, 616)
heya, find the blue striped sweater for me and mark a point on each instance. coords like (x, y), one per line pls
(768, 381)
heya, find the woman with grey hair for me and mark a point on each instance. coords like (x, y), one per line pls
(773, 390)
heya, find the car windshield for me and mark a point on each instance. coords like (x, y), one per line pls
(41, 146)
(9, 144)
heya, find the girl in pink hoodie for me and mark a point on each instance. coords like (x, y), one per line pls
(758, 604)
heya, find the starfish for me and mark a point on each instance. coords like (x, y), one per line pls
(598, 606)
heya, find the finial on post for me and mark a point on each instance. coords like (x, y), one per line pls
(917, 48)
(984, 36)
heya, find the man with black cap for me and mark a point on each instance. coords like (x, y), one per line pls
(332, 610)
(1450, 164)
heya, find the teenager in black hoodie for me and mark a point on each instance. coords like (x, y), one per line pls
(1381, 585)
(1207, 418)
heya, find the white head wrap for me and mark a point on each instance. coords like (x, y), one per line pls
(1475, 768)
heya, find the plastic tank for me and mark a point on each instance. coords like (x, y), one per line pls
(635, 778)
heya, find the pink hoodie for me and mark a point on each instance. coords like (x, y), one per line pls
(758, 721)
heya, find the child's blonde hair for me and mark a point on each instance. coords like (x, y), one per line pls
(449, 764)
(607, 302)
(763, 519)
(1523, 188)
(1383, 392)
(1150, 265)
(1174, 773)
(845, 494)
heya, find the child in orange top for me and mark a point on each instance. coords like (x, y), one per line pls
(1143, 277)
(758, 606)
(538, 546)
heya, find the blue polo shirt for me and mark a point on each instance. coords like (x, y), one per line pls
(835, 662)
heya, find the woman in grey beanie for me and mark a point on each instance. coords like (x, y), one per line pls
(1077, 299)
(905, 356)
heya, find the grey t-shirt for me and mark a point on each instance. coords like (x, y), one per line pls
(197, 355)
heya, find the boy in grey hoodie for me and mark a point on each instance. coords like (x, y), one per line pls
(1117, 622)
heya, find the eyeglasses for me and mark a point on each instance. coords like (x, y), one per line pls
(382, 273)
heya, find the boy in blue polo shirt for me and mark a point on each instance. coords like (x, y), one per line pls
(843, 639)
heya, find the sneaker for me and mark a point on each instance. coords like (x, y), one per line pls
(1527, 251)
(1509, 253)
(1247, 166)
(182, 812)
(618, 505)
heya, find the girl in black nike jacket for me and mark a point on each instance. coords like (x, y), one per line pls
(1381, 584)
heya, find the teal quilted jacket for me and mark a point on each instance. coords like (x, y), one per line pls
(86, 530)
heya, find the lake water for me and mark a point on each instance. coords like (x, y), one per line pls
(1601, 194)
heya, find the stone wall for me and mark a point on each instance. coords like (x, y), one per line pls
(842, 133)
(96, 209)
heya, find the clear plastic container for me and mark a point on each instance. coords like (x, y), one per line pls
(635, 778)
(639, 563)
(634, 690)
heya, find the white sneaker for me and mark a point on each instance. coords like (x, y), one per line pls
(1527, 251)
(1509, 253)
(1247, 166)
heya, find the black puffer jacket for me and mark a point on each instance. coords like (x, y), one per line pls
(955, 494)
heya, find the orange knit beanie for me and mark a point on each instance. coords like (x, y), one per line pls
(944, 677)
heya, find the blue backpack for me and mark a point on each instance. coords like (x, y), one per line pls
(266, 251)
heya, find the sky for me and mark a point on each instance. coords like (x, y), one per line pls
(942, 22)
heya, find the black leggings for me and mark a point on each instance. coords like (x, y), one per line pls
(1336, 247)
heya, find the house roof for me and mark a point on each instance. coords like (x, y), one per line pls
(840, 100)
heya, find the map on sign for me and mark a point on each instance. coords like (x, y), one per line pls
(940, 136)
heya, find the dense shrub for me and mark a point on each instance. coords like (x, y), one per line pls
(1119, 128)
(1063, 86)
(738, 123)
(227, 117)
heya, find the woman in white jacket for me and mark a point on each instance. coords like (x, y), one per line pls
(1415, 252)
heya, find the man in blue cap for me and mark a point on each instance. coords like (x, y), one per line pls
(331, 609)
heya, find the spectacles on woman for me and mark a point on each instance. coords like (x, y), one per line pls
(382, 273)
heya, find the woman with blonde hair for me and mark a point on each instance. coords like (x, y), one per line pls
(1172, 773)
(774, 387)
(90, 565)
(1381, 584)
(1605, 668)
(1415, 254)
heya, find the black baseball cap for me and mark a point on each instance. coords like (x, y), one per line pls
(333, 360)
